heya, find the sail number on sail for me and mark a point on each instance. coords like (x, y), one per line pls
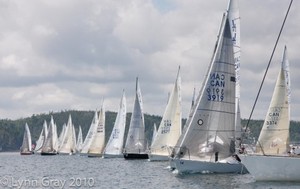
(115, 133)
(167, 126)
(273, 116)
(215, 91)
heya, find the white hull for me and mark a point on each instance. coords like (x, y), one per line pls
(113, 156)
(272, 168)
(196, 166)
(155, 157)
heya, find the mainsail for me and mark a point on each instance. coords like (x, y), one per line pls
(170, 126)
(68, 143)
(115, 143)
(42, 138)
(79, 142)
(98, 139)
(89, 137)
(274, 136)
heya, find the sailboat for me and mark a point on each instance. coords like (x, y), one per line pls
(79, 142)
(272, 160)
(42, 138)
(135, 147)
(90, 135)
(98, 140)
(68, 143)
(50, 146)
(114, 147)
(61, 135)
(26, 148)
(170, 126)
(208, 142)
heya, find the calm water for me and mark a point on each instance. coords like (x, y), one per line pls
(59, 171)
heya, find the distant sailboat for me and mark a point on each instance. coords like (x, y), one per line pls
(114, 147)
(98, 140)
(90, 135)
(79, 142)
(135, 147)
(68, 143)
(170, 126)
(26, 148)
(50, 146)
(42, 138)
(62, 135)
(272, 160)
(208, 142)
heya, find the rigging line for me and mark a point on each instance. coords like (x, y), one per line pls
(268, 66)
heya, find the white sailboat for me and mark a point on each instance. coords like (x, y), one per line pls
(98, 141)
(68, 143)
(90, 135)
(26, 148)
(170, 126)
(42, 138)
(135, 147)
(79, 142)
(50, 146)
(114, 147)
(272, 160)
(208, 142)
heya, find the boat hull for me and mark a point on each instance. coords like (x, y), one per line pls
(112, 156)
(155, 157)
(94, 155)
(135, 156)
(196, 166)
(48, 153)
(26, 153)
(272, 168)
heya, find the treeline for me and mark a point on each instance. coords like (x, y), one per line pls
(11, 131)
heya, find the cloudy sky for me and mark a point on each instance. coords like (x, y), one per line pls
(67, 54)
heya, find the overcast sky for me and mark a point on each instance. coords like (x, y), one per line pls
(67, 54)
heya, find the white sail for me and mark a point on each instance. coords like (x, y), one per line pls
(135, 142)
(274, 135)
(89, 137)
(98, 140)
(62, 135)
(234, 21)
(68, 143)
(42, 138)
(50, 145)
(115, 143)
(26, 147)
(208, 142)
(154, 134)
(79, 142)
(272, 161)
(170, 126)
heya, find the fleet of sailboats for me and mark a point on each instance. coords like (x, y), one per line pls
(212, 133)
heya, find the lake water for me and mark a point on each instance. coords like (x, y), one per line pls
(39, 172)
